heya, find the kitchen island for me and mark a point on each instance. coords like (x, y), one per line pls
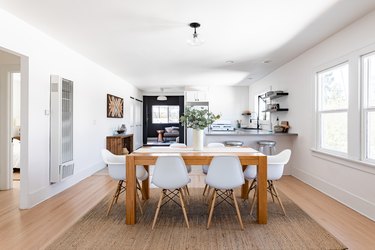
(249, 137)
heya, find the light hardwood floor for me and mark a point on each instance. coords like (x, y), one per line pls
(37, 227)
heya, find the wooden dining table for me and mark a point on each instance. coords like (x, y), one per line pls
(147, 156)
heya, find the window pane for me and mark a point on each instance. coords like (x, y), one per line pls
(163, 114)
(333, 88)
(369, 78)
(155, 114)
(334, 131)
(371, 135)
(174, 114)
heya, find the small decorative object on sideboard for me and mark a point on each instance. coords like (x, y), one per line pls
(121, 129)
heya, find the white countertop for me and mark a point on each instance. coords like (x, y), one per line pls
(247, 132)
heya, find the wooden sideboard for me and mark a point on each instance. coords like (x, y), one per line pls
(116, 143)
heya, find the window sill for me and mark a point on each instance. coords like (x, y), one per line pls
(367, 167)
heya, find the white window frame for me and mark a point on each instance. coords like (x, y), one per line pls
(319, 112)
(168, 106)
(365, 109)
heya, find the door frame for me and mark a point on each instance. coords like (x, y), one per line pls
(6, 174)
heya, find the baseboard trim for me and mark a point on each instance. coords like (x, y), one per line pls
(47, 192)
(358, 204)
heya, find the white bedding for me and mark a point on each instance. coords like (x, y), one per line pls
(16, 153)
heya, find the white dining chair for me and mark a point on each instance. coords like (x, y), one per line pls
(171, 176)
(224, 174)
(180, 145)
(117, 170)
(275, 169)
(188, 167)
(205, 167)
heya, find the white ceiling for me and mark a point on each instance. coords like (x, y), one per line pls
(144, 41)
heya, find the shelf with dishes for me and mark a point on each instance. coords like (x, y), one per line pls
(271, 95)
(268, 97)
(275, 110)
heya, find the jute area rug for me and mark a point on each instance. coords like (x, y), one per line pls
(296, 230)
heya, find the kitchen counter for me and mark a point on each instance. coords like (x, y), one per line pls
(247, 132)
(250, 138)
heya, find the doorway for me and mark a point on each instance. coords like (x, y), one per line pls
(10, 117)
(161, 120)
(15, 80)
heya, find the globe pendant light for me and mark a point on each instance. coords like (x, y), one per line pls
(195, 40)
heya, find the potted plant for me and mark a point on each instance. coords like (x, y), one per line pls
(198, 120)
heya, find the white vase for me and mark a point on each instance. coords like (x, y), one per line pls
(198, 139)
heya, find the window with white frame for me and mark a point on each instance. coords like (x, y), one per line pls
(368, 81)
(165, 113)
(333, 103)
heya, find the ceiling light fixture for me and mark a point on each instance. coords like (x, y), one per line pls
(195, 40)
(161, 97)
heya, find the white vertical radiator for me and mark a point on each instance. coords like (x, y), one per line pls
(61, 129)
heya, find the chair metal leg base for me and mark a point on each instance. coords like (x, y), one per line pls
(119, 189)
(273, 191)
(170, 197)
(224, 195)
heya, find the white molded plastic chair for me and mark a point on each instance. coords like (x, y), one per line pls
(188, 167)
(224, 174)
(117, 170)
(275, 169)
(171, 176)
(180, 145)
(205, 167)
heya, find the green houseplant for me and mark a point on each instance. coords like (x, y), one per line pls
(198, 119)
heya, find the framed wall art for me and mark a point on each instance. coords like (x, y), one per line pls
(115, 106)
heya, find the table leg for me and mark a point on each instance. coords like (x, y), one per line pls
(245, 186)
(146, 185)
(131, 189)
(262, 190)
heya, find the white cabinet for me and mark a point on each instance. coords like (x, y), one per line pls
(196, 96)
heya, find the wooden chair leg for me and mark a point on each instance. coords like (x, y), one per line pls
(185, 195)
(237, 210)
(183, 207)
(210, 198)
(139, 203)
(186, 200)
(140, 189)
(205, 189)
(252, 186)
(115, 196)
(271, 190)
(211, 209)
(119, 186)
(278, 198)
(187, 190)
(253, 201)
(208, 192)
(158, 207)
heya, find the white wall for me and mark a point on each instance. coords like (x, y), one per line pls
(347, 181)
(229, 101)
(42, 56)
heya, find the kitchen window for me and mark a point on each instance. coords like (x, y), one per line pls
(332, 108)
(368, 111)
(165, 114)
